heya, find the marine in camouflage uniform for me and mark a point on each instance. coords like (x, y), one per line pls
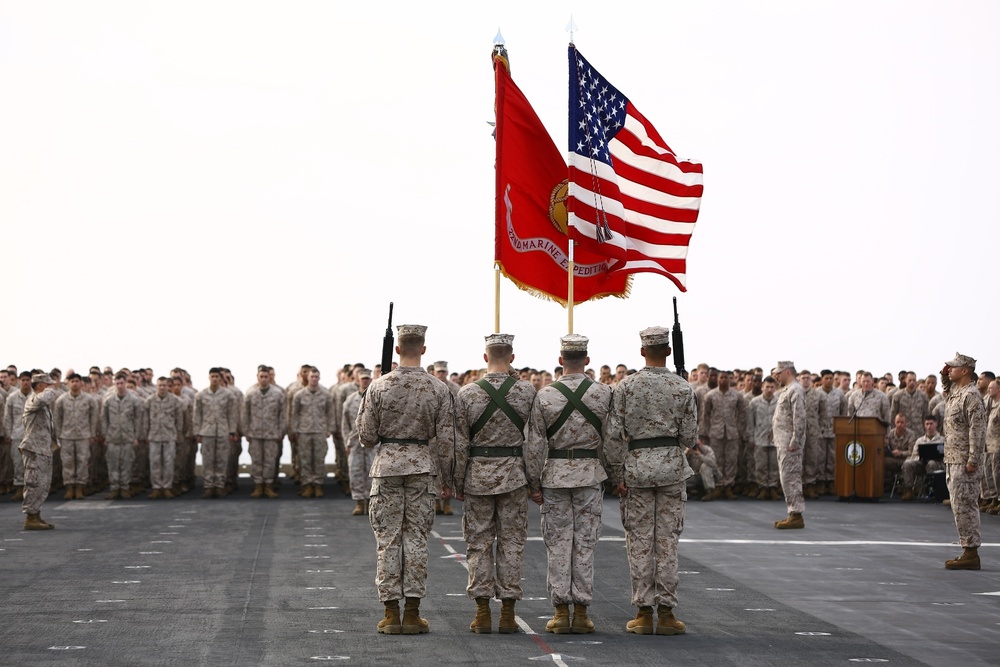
(263, 419)
(36, 450)
(991, 468)
(964, 445)
(497, 466)
(789, 428)
(722, 425)
(360, 459)
(574, 410)
(653, 421)
(814, 454)
(77, 418)
(14, 429)
(913, 466)
(913, 404)
(311, 424)
(760, 419)
(121, 424)
(411, 417)
(836, 406)
(216, 421)
(163, 420)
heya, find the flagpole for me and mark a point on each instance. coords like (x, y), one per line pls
(569, 287)
(496, 299)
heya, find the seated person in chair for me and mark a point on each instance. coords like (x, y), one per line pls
(913, 467)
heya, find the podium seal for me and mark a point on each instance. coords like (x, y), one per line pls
(855, 453)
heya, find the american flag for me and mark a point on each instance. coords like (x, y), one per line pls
(630, 197)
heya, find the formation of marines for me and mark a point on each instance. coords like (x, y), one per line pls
(409, 439)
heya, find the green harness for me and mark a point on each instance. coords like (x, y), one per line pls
(498, 401)
(574, 404)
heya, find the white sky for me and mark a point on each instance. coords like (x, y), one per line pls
(213, 183)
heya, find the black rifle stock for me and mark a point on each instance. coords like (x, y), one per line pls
(678, 338)
(387, 344)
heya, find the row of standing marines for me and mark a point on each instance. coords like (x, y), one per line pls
(500, 444)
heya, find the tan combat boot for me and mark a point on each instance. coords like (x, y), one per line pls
(258, 491)
(642, 624)
(318, 491)
(482, 624)
(775, 494)
(559, 624)
(114, 494)
(155, 494)
(667, 623)
(412, 623)
(306, 491)
(269, 491)
(582, 625)
(446, 507)
(508, 624)
(968, 560)
(763, 494)
(727, 493)
(18, 494)
(79, 492)
(35, 522)
(70, 492)
(907, 496)
(390, 625)
(359, 508)
(793, 520)
(709, 495)
(166, 493)
(438, 509)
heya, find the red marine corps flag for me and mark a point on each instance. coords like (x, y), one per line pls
(532, 246)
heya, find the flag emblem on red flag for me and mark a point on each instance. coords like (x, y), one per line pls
(630, 198)
(531, 224)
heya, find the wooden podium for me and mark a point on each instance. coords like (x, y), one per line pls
(859, 445)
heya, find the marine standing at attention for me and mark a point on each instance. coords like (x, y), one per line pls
(653, 421)
(410, 415)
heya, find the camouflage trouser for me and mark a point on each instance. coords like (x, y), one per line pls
(361, 460)
(233, 465)
(161, 464)
(37, 479)
(653, 519)
(180, 459)
(312, 457)
(502, 520)
(342, 460)
(120, 458)
(140, 464)
(15, 455)
(706, 471)
(75, 455)
(745, 472)
(766, 464)
(214, 461)
(963, 487)
(402, 513)
(727, 458)
(813, 460)
(790, 472)
(571, 526)
(914, 467)
(6, 464)
(989, 490)
(829, 459)
(263, 460)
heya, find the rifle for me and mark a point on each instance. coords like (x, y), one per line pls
(678, 338)
(387, 344)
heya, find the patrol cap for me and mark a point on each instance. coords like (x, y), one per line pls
(573, 343)
(499, 339)
(783, 366)
(363, 373)
(655, 336)
(440, 366)
(962, 360)
(41, 378)
(416, 330)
